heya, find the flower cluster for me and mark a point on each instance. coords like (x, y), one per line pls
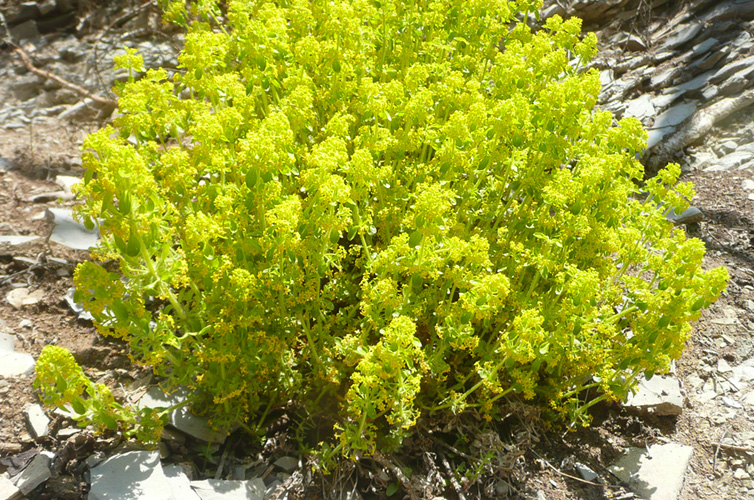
(407, 207)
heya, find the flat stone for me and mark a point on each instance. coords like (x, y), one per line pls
(67, 182)
(36, 473)
(697, 82)
(654, 136)
(69, 232)
(728, 146)
(7, 342)
(136, 475)
(25, 31)
(181, 418)
(684, 34)
(37, 421)
(180, 482)
(660, 396)
(16, 364)
(586, 472)
(51, 196)
(734, 159)
(656, 473)
(8, 490)
(723, 366)
(640, 107)
(703, 47)
(732, 403)
(20, 297)
(5, 165)
(12, 239)
(663, 77)
(76, 307)
(675, 115)
(710, 60)
(219, 489)
(733, 67)
(288, 464)
(710, 92)
(691, 215)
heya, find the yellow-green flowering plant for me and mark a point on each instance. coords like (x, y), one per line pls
(394, 210)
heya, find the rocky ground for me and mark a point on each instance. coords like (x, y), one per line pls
(685, 68)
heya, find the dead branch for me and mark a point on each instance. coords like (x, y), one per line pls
(26, 60)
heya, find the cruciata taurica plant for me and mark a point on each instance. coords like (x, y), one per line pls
(399, 208)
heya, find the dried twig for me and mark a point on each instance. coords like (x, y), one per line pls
(452, 477)
(26, 60)
(732, 447)
(397, 472)
(570, 476)
(717, 449)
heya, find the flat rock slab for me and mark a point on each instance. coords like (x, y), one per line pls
(181, 418)
(17, 240)
(14, 364)
(36, 473)
(8, 491)
(70, 233)
(660, 396)
(675, 115)
(219, 489)
(656, 473)
(180, 482)
(136, 475)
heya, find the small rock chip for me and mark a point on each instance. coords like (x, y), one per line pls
(37, 421)
(731, 403)
(586, 472)
(8, 491)
(723, 366)
(691, 215)
(21, 297)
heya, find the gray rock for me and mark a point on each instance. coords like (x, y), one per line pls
(640, 107)
(37, 421)
(21, 12)
(25, 31)
(5, 165)
(675, 115)
(710, 92)
(68, 232)
(663, 77)
(13, 364)
(703, 47)
(8, 491)
(288, 464)
(21, 297)
(684, 34)
(218, 489)
(734, 159)
(76, 307)
(36, 473)
(697, 82)
(67, 182)
(181, 418)
(737, 82)
(180, 482)
(729, 10)
(136, 475)
(660, 396)
(731, 403)
(654, 136)
(710, 60)
(733, 68)
(667, 99)
(586, 472)
(17, 239)
(691, 215)
(656, 473)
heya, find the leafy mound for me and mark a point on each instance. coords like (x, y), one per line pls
(387, 211)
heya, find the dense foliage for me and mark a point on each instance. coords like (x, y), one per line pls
(389, 210)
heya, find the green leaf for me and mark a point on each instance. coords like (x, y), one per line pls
(415, 238)
(391, 489)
